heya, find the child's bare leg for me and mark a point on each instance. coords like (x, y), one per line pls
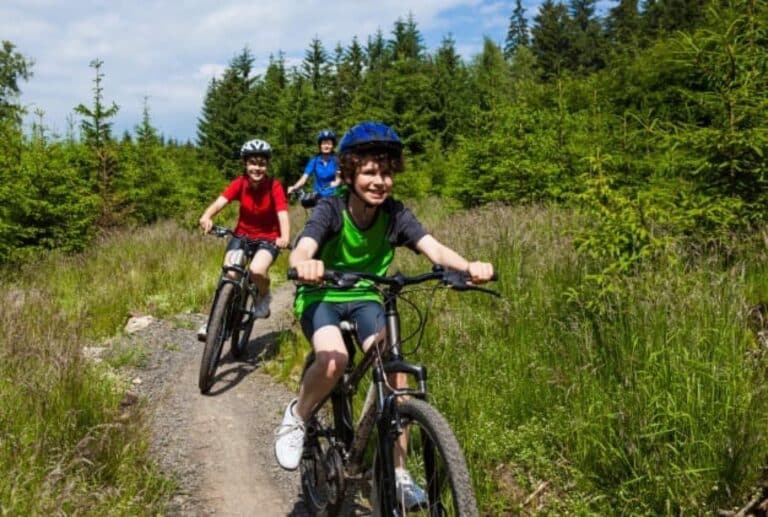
(260, 270)
(330, 361)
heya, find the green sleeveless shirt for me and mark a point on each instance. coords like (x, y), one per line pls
(342, 246)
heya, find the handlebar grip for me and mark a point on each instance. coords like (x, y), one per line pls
(293, 274)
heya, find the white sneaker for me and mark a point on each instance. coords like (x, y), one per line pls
(289, 444)
(409, 494)
(261, 309)
(202, 332)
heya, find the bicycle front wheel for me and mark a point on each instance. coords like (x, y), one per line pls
(218, 328)
(436, 463)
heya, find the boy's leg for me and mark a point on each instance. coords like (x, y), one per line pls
(234, 255)
(260, 270)
(329, 364)
(330, 361)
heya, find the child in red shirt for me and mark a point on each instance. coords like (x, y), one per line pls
(263, 216)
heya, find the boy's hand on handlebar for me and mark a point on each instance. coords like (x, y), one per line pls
(310, 271)
(206, 223)
(480, 272)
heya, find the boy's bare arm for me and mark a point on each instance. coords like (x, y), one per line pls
(206, 220)
(299, 183)
(285, 229)
(441, 254)
(301, 258)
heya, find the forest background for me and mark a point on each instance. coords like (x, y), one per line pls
(644, 130)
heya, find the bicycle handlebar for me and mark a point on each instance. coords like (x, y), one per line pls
(223, 231)
(306, 199)
(458, 280)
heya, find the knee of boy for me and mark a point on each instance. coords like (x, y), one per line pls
(233, 258)
(332, 363)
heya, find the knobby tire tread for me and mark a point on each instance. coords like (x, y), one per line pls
(459, 480)
(215, 340)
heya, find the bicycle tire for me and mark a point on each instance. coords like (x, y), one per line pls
(445, 478)
(322, 473)
(221, 317)
(241, 334)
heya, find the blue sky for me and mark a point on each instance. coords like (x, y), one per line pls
(168, 50)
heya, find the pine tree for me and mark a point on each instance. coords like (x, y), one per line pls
(551, 43)
(587, 52)
(13, 67)
(450, 86)
(315, 65)
(96, 130)
(407, 41)
(372, 96)
(661, 16)
(622, 25)
(376, 52)
(517, 34)
(492, 76)
(229, 117)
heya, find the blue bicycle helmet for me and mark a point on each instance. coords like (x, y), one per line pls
(371, 135)
(326, 134)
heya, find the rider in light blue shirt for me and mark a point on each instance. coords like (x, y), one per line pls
(323, 166)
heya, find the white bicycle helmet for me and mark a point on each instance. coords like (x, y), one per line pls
(256, 147)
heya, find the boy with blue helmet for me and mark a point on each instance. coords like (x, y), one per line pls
(323, 166)
(356, 232)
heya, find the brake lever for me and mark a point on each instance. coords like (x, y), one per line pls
(458, 280)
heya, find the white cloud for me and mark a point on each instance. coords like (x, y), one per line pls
(209, 71)
(170, 52)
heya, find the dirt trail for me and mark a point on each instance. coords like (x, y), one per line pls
(218, 447)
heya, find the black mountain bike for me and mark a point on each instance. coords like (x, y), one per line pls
(335, 447)
(231, 313)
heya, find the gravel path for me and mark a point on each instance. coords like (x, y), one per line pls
(218, 447)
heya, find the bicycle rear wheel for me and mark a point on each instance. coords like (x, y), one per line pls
(436, 463)
(218, 328)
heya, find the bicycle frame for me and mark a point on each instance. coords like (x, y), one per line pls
(380, 408)
(242, 276)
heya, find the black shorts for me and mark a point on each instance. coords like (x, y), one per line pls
(252, 246)
(367, 316)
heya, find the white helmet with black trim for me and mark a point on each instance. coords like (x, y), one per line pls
(256, 147)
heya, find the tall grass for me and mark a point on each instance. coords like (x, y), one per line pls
(66, 444)
(655, 406)
(652, 406)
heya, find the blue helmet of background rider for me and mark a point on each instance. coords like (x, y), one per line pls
(326, 134)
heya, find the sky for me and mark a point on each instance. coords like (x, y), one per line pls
(168, 51)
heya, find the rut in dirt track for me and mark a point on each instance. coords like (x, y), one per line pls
(219, 447)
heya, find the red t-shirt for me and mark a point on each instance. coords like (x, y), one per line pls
(258, 207)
